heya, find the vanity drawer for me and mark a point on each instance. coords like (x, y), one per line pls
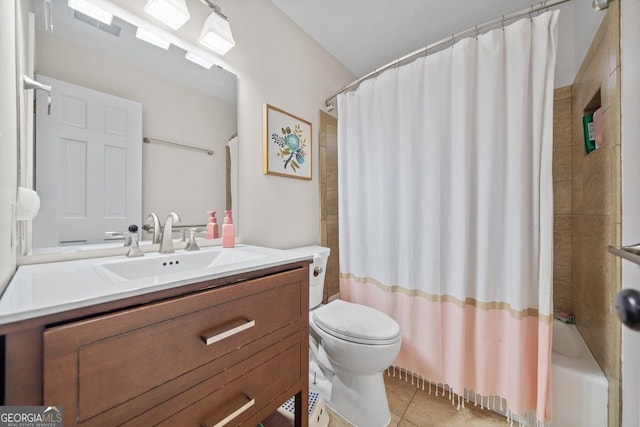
(238, 394)
(115, 359)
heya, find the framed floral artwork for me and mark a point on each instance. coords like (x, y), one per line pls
(287, 144)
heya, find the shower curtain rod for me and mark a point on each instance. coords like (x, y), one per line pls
(450, 39)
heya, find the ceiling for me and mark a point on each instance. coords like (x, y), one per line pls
(169, 64)
(379, 31)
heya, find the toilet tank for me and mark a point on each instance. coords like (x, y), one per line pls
(317, 270)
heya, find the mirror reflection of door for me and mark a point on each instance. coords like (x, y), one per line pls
(88, 157)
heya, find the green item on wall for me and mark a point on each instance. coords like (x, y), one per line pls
(589, 133)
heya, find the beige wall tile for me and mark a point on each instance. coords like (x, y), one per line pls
(615, 179)
(562, 163)
(591, 296)
(596, 182)
(322, 168)
(562, 197)
(323, 232)
(577, 157)
(329, 200)
(332, 278)
(332, 179)
(562, 122)
(563, 193)
(562, 293)
(562, 92)
(611, 119)
(613, 38)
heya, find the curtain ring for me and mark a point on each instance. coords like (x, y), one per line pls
(453, 39)
(502, 22)
(477, 32)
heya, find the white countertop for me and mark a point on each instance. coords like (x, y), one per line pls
(44, 289)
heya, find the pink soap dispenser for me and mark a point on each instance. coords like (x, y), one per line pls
(228, 231)
(212, 226)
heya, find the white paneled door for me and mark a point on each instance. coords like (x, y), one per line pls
(88, 165)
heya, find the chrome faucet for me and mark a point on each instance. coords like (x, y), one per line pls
(166, 242)
(134, 249)
(156, 226)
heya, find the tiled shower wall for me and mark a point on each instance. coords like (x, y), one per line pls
(562, 291)
(596, 205)
(587, 204)
(329, 200)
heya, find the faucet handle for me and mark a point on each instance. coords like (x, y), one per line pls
(132, 238)
(191, 244)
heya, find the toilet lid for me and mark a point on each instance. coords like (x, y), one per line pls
(356, 323)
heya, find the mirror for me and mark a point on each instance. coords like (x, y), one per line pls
(187, 111)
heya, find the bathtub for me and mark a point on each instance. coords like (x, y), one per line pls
(578, 386)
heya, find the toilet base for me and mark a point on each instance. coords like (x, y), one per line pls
(360, 399)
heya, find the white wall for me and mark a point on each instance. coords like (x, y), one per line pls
(565, 67)
(279, 64)
(577, 25)
(585, 24)
(173, 179)
(8, 141)
(276, 63)
(630, 90)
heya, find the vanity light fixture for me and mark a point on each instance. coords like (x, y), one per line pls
(600, 4)
(152, 38)
(174, 13)
(90, 9)
(197, 59)
(216, 33)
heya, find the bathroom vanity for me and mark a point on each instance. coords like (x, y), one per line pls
(227, 347)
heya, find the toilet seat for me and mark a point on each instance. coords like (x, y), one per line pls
(356, 323)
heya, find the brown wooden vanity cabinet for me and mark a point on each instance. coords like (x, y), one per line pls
(231, 353)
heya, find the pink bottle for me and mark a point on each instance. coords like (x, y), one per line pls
(212, 226)
(228, 231)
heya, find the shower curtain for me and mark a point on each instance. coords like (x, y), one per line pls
(445, 199)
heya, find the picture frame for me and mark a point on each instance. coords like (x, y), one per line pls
(287, 144)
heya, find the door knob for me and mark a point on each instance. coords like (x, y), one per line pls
(628, 308)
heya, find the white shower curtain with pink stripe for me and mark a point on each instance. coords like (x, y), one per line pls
(446, 219)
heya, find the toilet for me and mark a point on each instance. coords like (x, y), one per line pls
(350, 345)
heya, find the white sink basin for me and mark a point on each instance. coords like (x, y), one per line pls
(194, 264)
(48, 288)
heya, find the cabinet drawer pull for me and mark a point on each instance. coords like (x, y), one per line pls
(245, 401)
(227, 330)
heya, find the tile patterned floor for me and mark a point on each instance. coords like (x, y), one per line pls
(411, 407)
